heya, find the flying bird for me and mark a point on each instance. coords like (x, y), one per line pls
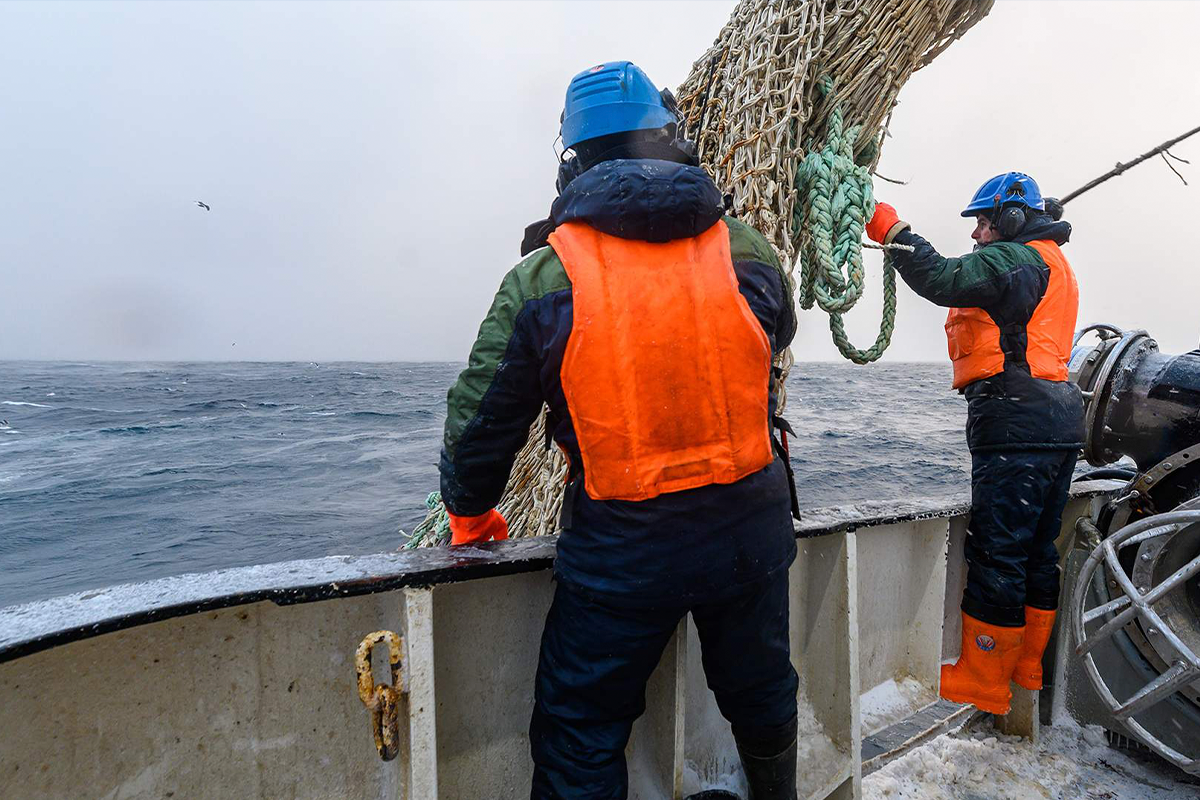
(203, 205)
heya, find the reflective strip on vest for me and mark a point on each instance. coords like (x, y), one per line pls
(974, 338)
(667, 370)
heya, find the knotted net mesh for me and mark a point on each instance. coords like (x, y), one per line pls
(781, 81)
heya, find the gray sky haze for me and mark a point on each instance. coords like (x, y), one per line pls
(371, 167)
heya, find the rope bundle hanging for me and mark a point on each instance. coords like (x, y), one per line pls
(839, 201)
(753, 103)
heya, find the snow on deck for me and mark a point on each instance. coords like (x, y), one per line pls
(1068, 763)
(892, 701)
(816, 754)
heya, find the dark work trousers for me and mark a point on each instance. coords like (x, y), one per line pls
(597, 657)
(1017, 502)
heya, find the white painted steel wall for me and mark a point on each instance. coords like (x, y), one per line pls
(260, 700)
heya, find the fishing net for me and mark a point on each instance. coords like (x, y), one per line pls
(789, 108)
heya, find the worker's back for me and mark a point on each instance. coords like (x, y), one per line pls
(649, 323)
(645, 323)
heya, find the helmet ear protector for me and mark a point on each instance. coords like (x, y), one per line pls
(1009, 220)
(571, 167)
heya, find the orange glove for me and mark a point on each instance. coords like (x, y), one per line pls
(885, 224)
(485, 527)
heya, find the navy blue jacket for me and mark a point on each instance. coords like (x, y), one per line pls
(678, 547)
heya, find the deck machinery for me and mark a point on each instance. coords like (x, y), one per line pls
(1131, 661)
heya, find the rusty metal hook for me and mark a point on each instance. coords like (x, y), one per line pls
(383, 701)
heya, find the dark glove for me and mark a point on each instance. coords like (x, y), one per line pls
(1054, 208)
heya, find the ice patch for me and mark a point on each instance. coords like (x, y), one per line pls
(1068, 762)
(730, 778)
(817, 756)
(892, 701)
(16, 403)
(818, 759)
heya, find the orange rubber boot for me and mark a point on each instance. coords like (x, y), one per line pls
(981, 676)
(1038, 625)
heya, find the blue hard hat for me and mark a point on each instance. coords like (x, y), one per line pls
(612, 98)
(1011, 188)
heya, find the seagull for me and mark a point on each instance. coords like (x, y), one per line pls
(203, 205)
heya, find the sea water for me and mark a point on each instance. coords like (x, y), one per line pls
(119, 472)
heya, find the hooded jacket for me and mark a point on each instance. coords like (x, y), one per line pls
(1006, 282)
(700, 543)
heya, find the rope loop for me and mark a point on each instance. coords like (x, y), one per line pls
(838, 200)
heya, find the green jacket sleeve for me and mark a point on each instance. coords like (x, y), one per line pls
(498, 396)
(763, 282)
(993, 276)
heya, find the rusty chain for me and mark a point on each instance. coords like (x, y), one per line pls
(381, 700)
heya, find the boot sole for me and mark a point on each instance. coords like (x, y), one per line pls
(990, 706)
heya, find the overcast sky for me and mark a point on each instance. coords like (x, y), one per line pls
(371, 167)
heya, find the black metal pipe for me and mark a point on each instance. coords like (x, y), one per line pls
(1151, 406)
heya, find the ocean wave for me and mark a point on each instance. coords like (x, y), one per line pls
(137, 430)
(132, 429)
(209, 405)
(18, 403)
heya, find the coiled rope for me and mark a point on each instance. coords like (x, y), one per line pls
(838, 201)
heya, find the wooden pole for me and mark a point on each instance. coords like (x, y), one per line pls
(1117, 170)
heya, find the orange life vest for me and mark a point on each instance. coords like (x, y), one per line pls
(667, 370)
(974, 337)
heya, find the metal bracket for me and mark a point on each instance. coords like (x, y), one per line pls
(1152, 478)
(1093, 380)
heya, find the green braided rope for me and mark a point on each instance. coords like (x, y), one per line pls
(435, 525)
(838, 201)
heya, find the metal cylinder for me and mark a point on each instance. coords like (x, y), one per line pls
(1139, 402)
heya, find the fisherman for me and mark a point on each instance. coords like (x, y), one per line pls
(1013, 303)
(647, 326)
